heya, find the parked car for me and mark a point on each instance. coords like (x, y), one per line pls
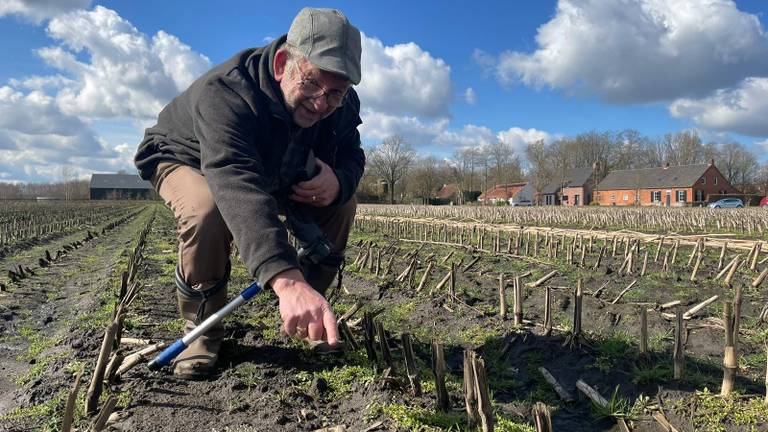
(521, 203)
(764, 203)
(727, 203)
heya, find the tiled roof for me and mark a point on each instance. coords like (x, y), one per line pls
(658, 177)
(118, 181)
(503, 191)
(571, 178)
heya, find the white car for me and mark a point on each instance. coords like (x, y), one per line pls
(727, 203)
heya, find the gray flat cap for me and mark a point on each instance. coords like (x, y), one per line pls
(328, 41)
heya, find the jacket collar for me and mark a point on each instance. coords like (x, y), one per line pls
(267, 82)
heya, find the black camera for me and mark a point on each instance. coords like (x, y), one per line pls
(313, 244)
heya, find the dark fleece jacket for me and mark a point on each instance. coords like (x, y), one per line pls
(232, 125)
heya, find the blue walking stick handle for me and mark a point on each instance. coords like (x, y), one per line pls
(177, 347)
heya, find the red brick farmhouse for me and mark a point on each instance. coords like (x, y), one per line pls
(663, 186)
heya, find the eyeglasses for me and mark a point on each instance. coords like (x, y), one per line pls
(310, 88)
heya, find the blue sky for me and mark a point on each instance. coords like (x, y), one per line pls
(80, 79)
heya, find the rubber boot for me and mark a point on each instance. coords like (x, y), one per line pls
(199, 359)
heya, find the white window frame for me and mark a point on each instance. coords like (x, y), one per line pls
(654, 197)
(703, 180)
(626, 197)
(613, 197)
(714, 180)
(683, 194)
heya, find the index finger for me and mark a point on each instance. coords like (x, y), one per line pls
(331, 331)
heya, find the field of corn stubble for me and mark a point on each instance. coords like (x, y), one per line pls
(453, 318)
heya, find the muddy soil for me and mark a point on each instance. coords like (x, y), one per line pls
(268, 382)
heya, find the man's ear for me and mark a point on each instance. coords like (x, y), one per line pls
(279, 64)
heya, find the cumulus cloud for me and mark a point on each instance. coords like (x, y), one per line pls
(129, 74)
(638, 51)
(39, 10)
(743, 109)
(404, 79)
(377, 126)
(520, 138)
(469, 96)
(107, 69)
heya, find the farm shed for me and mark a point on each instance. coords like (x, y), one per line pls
(120, 186)
(511, 193)
(663, 186)
(573, 188)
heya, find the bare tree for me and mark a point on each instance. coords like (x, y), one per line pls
(541, 170)
(391, 160)
(739, 165)
(425, 177)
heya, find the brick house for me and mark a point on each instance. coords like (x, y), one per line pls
(663, 186)
(573, 188)
(512, 193)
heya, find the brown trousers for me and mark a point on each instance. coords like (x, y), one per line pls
(204, 239)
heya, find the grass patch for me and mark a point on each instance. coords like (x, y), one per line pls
(717, 414)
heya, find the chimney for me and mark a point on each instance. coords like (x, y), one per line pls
(711, 162)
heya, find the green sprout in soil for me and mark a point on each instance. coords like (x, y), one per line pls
(620, 407)
(717, 414)
(340, 379)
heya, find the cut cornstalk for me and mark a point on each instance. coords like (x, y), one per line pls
(624, 291)
(678, 356)
(643, 331)
(542, 418)
(69, 408)
(502, 297)
(541, 281)
(559, 389)
(470, 395)
(730, 363)
(760, 278)
(94, 390)
(410, 365)
(438, 368)
(694, 310)
(518, 306)
(547, 311)
(425, 277)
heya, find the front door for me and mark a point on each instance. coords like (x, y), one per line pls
(669, 198)
(576, 200)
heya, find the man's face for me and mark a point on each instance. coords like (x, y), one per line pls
(311, 94)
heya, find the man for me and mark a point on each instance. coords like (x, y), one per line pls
(230, 154)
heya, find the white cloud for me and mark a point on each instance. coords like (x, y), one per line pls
(377, 126)
(108, 70)
(520, 138)
(743, 109)
(39, 10)
(469, 136)
(470, 96)
(128, 74)
(404, 80)
(637, 51)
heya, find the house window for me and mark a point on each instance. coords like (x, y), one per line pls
(681, 196)
(626, 197)
(714, 180)
(656, 196)
(613, 197)
(699, 195)
(703, 180)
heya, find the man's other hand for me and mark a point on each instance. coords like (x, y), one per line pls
(319, 191)
(305, 312)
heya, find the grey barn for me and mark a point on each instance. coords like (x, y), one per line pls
(120, 186)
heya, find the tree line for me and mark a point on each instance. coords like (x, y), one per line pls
(395, 173)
